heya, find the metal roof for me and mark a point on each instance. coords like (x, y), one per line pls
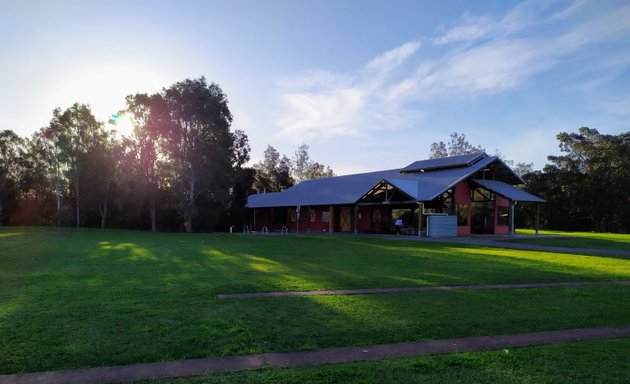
(508, 191)
(421, 185)
(444, 162)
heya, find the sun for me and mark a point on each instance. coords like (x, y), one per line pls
(121, 124)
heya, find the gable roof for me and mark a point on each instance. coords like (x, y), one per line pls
(422, 180)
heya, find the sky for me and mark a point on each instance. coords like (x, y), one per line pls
(368, 85)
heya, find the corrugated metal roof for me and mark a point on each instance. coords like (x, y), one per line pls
(508, 191)
(329, 191)
(444, 162)
(421, 186)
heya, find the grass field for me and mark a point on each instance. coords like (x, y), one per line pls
(590, 240)
(79, 298)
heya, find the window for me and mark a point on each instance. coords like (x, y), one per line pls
(480, 194)
(313, 215)
(462, 214)
(503, 216)
(325, 217)
(292, 215)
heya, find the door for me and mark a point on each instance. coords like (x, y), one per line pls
(345, 219)
(482, 221)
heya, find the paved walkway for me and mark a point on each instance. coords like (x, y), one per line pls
(419, 289)
(506, 242)
(211, 365)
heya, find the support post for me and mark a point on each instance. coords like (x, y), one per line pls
(297, 220)
(331, 219)
(356, 211)
(512, 230)
(537, 217)
(254, 219)
(420, 210)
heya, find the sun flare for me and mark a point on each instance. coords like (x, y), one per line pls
(122, 125)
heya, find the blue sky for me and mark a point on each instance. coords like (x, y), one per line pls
(367, 84)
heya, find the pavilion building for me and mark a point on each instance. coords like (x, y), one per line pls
(450, 196)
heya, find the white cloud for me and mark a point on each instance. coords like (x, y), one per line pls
(493, 67)
(379, 96)
(321, 104)
(469, 29)
(391, 59)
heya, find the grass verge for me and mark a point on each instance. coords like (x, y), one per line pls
(587, 240)
(79, 298)
(603, 362)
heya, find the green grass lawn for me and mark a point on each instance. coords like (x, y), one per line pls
(589, 240)
(78, 298)
(604, 362)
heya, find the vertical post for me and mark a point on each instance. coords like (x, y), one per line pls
(512, 229)
(297, 220)
(254, 220)
(420, 210)
(331, 219)
(356, 211)
(537, 216)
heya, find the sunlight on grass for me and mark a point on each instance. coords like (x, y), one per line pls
(79, 298)
(11, 234)
(618, 237)
(8, 308)
(132, 251)
(263, 264)
(603, 265)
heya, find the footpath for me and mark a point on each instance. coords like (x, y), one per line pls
(211, 365)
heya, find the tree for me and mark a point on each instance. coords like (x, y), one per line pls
(305, 169)
(198, 144)
(12, 170)
(595, 177)
(149, 115)
(273, 173)
(457, 145)
(101, 172)
(72, 133)
(44, 147)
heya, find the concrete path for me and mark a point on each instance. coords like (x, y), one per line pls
(212, 365)
(497, 241)
(419, 289)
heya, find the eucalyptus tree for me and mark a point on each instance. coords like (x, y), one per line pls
(101, 172)
(149, 116)
(457, 145)
(273, 172)
(12, 152)
(303, 168)
(50, 164)
(198, 144)
(596, 177)
(73, 132)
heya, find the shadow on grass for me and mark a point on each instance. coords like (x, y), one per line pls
(91, 298)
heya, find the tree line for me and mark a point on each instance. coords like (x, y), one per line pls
(182, 167)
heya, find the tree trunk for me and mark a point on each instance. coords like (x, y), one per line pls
(104, 205)
(104, 214)
(191, 201)
(153, 216)
(58, 197)
(76, 195)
